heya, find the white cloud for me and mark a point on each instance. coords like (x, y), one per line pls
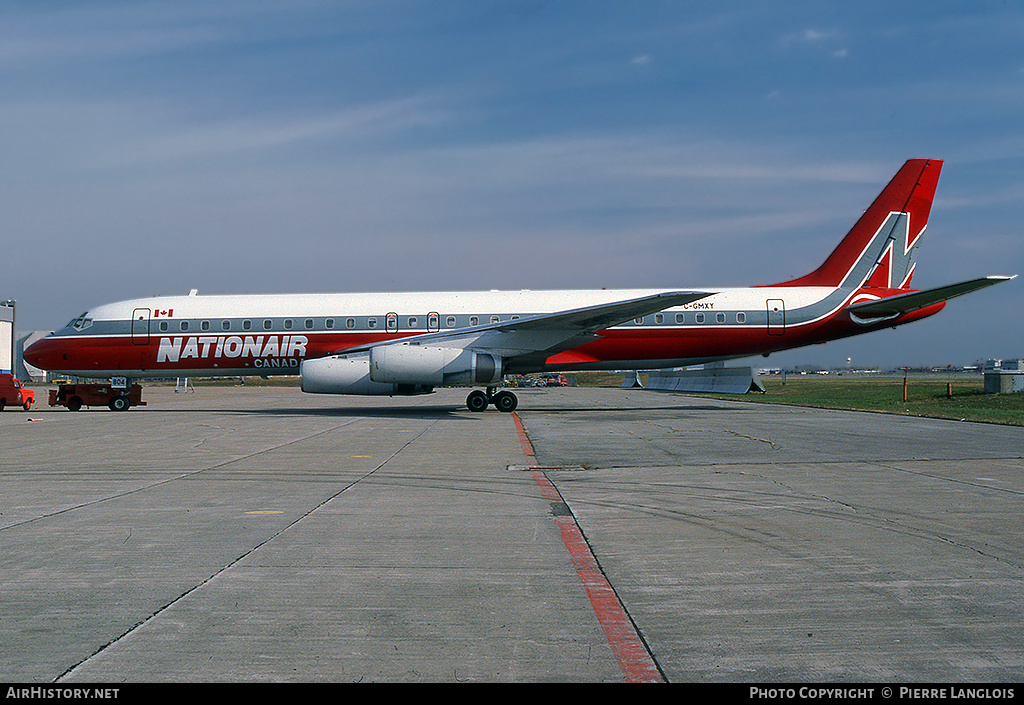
(808, 36)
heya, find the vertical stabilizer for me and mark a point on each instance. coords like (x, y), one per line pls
(881, 248)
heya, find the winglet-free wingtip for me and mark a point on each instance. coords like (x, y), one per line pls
(998, 278)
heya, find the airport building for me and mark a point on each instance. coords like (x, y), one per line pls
(6, 336)
(1004, 376)
(11, 359)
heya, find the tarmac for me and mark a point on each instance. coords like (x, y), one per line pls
(241, 534)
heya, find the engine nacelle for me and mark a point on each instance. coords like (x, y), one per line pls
(350, 375)
(431, 366)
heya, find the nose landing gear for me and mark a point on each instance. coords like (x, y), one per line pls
(503, 400)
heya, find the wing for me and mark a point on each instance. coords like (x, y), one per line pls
(892, 306)
(535, 338)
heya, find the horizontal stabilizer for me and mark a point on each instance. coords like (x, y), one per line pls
(905, 303)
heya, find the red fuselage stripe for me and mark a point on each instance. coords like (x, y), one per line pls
(281, 352)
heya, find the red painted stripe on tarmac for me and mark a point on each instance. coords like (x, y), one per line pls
(524, 440)
(634, 660)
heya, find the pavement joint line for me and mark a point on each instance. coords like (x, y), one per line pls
(167, 480)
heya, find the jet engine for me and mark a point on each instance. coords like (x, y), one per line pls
(400, 370)
(350, 375)
(417, 364)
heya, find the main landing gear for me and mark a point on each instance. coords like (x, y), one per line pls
(503, 401)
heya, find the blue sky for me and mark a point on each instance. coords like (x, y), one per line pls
(268, 146)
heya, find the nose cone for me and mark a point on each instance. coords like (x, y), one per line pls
(44, 354)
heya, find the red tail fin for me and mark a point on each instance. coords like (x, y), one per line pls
(880, 249)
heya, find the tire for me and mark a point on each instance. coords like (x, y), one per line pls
(27, 405)
(74, 403)
(476, 401)
(119, 404)
(505, 401)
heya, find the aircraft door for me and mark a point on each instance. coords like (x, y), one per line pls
(391, 323)
(140, 326)
(433, 322)
(776, 316)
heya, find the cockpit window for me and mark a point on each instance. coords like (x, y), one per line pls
(81, 323)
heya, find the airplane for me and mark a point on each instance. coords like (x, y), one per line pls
(410, 343)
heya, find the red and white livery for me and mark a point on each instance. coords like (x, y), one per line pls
(410, 343)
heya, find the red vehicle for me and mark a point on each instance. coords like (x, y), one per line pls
(75, 396)
(12, 392)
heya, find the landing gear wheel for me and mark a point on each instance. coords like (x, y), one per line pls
(505, 401)
(476, 401)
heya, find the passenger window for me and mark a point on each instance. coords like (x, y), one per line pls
(371, 322)
(720, 317)
(350, 323)
(700, 318)
(309, 324)
(494, 319)
(412, 321)
(450, 321)
(329, 323)
(659, 318)
(205, 325)
(163, 325)
(680, 318)
(267, 324)
(246, 325)
(474, 321)
(184, 325)
(225, 325)
(741, 318)
(287, 324)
